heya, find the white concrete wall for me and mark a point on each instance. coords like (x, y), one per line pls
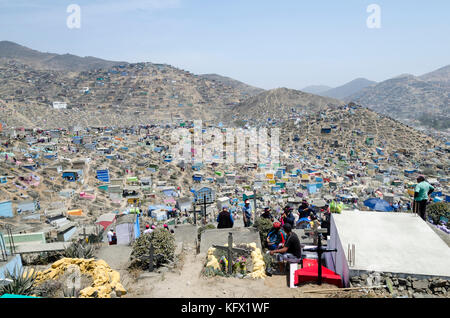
(392, 242)
(337, 261)
(125, 233)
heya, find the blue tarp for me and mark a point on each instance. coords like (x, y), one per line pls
(312, 188)
(137, 231)
(378, 205)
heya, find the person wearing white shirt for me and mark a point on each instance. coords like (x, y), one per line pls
(148, 229)
(110, 236)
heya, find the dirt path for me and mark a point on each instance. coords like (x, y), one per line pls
(185, 281)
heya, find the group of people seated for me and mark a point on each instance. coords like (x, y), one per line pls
(281, 240)
(285, 244)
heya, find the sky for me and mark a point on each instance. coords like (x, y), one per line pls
(268, 44)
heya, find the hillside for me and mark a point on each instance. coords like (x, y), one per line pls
(419, 101)
(278, 105)
(350, 129)
(245, 88)
(51, 61)
(316, 89)
(123, 95)
(347, 89)
(441, 76)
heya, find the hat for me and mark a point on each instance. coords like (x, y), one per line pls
(247, 201)
(165, 225)
(147, 226)
(266, 209)
(153, 227)
(277, 225)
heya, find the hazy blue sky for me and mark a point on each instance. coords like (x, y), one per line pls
(269, 44)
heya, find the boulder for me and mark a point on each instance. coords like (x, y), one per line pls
(420, 285)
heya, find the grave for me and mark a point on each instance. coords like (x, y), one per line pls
(399, 243)
(220, 237)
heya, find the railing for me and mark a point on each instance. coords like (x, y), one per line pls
(12, 248)
(3, 254)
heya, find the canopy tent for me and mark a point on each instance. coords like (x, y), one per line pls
(106, 219)
(377, 204)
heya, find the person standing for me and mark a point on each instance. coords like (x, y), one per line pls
(303, 209)
(110, 235)
(267, 214)
(114, 239)
(247, 213)
(287, 216)
(422, 196)
(148, 229)
(225, 219)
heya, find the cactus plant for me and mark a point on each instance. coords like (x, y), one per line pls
(22, 282)
(79, 250)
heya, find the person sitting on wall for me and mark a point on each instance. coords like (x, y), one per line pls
(276, 237)
(291, 251)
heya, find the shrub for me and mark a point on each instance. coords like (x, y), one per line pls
(268, 260)
(42, 258)
(49, 288)
(438, 209)
(164, 249)
(263, 226)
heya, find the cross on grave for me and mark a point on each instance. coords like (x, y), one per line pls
(84, 235)
(319, 250)
(203, 204)
(315, 232)
(230, 249)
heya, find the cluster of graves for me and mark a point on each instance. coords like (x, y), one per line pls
(58, 185)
